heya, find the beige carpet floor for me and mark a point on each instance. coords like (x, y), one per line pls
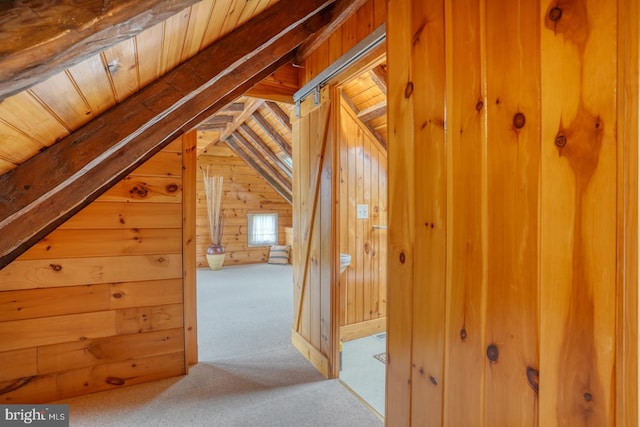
(249, 373)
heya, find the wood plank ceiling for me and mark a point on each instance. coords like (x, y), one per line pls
(259, 130)
(36, 118)
(59, 92)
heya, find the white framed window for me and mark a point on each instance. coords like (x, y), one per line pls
(263, 229)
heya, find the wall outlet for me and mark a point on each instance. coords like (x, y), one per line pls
(362, 211)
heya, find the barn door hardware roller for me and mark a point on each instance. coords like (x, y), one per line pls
(354, 54)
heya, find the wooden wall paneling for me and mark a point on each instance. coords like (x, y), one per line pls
(189, 247)
(49, 273)
(26, 333)
(198, 21)
(244, 191)
(579, 148)
(147, 319)
(165, 164)
(627, 294)
(349, 34)
(113, 270)
(38, 390)
(401, 215)
(23, 363)
(466, 215)
(364, 19)
(352, 248)
(303, 209)
(383, 191)
(359, 225)
(119, 374)
(63, 243)
(335, 45)
(363, 169)
(379, 13)
(124, 215)
(48, 302)
(122, 62)
(358, 26)
(374, 241)
(367, 230)
(428, 72)
(100, 351)
(343, 206)
(145, 189)
(313, 295)
(175, 31)
(313, 137)
(92, 80)
(513, 170)
(145, 293)
(149, 53)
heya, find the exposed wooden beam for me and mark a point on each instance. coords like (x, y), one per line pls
(272, 132)
(379, 76)
(212, 126)
(279, 87)
(255, 139)
(250, 107)
(40, 39)
(241, 118)
(276, 186)
(280, 114)
(355, 111)
(262, 161)
(85, 164)
(373, 112)
(234, 107)
(220, 119)
(342, 11)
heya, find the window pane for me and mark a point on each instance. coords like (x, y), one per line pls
(263, 229)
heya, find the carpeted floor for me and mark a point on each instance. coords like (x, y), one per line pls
(249, 374)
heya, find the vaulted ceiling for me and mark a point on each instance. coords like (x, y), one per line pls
(89, 90)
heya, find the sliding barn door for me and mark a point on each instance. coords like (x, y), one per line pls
(314, 325)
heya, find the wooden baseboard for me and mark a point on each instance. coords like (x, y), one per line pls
(363, 329)
(317, 359)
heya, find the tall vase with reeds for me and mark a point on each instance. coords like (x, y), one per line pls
(215, 216)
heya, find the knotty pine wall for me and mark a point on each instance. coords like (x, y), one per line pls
(245, 191)
(369, 17)
(513, 131)
(363, 180)
(98, 303)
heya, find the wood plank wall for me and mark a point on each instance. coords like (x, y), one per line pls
(363, 180)
(513, 149)
(315, 303)
(98, 303)
(317, 320)
(369, 17)
(244, 192)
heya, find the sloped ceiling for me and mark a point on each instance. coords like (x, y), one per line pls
(44, 113)
(69, 79)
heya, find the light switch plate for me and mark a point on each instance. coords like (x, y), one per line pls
(362, 211)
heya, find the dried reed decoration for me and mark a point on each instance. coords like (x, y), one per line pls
(213, 193)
